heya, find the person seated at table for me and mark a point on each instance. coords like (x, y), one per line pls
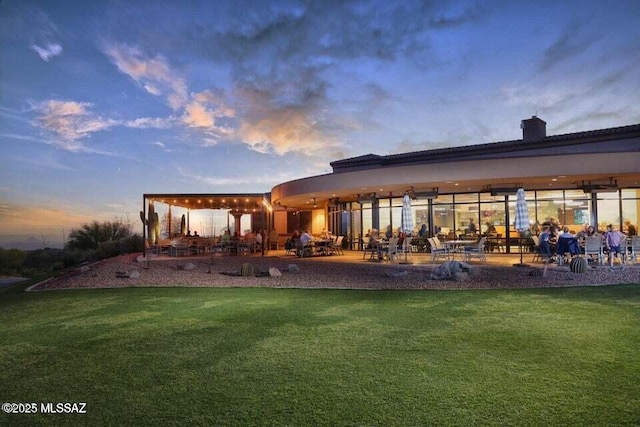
(471, 227)
(226, 237)
(613, 242)
(195, 234)
(567, 243)
(258, 238)
(423, 230)
(188, 233)
(325, 234)
(306, 238)
(631, 229)
(580, 235)
(545, 242)
(389, 233)
(566, 233)
(491, 229)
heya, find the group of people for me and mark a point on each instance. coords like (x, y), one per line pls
(554, 240)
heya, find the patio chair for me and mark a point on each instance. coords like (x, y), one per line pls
(405, 248)
(370, 249)
(437, 249)
(635, 248)
(273, 241)
(302, 250)
(567, 248)
(469, 251)
(290, 247)
(336, 246)
(390, 251)
(593, 245)
(179, 247)
(537, 253)
(151, 249)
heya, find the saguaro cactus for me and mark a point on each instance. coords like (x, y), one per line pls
(153, 225)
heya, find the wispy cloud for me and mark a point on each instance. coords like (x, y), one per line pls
(71, 121)
(151, 72)
(47, 52)
(163, 147)
(151, 123)
(570, 43)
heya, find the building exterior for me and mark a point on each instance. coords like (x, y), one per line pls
(575, 179)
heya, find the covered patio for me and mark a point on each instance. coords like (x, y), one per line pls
(167, 217)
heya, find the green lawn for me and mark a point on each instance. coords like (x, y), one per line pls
(324, 357)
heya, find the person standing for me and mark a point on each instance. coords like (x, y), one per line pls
(613, 241)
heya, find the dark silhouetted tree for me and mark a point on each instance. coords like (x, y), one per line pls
(89, 236)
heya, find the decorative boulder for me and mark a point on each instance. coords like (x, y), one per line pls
(274, 272)
(452, 270)
(578, 265)
(134, 274)
(247, 270)
(293, 268)
(189, 266)
(403, 273)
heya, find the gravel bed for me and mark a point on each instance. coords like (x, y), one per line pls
(326, 274)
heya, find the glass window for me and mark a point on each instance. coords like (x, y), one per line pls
(443, 222)
(466, 198)
(444, 198)
(367, 217)
(421, 216)
(396, 214)
(575, 194)
(492, 218)
(549, 194)
(630, 210)
(467, 218)
(608, 211)
(384, 214)
(547, 211)
(396, 201)
(487, 197)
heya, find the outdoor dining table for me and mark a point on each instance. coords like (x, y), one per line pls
(322, 246)
(454, 246)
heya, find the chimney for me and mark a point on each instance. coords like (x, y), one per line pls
(533, 129)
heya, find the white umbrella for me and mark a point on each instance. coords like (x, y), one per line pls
(522, 216)
(406, 221)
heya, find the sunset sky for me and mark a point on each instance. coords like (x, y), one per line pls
(102, 101)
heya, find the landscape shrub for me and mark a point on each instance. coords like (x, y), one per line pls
(11, 261)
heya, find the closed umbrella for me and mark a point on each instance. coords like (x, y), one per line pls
(406, 221)
(522, 218)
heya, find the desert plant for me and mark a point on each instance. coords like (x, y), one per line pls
(11, 261)
(578, 265)
(153, 224)
(247, 270)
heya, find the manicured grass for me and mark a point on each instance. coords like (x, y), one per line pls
(324, 357)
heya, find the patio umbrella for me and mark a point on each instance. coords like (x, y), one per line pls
(406, 221)
(522, 218)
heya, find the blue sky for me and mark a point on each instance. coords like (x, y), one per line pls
(102, 101)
